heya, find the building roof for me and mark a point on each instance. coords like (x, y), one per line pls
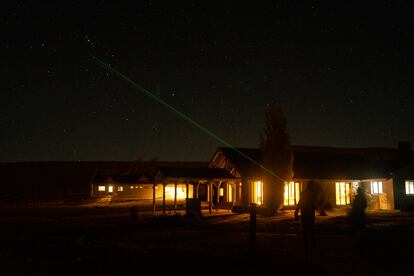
(100, 178)
(195, 173)
(323, 162)
(244, 166)
(322, 165)
(126, 178)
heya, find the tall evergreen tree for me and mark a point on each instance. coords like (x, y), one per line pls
(277, 156)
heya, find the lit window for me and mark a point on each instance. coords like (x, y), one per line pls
(136, 187)
(221, 191)
(169, 192)
(120, 188)
(140, 187)
(376, 187)
(292, 193)
(101, 188)
(343, 194)
(110, 189)
(258, 192)
(230, 193)
(409, 187)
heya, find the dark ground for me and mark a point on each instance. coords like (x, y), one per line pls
(106, 240)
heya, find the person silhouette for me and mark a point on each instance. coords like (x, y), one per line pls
(358, 220)
(359, 205)
(307, 205)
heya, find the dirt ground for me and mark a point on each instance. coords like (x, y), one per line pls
(69, 239)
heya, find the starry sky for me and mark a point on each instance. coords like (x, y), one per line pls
(342, 73)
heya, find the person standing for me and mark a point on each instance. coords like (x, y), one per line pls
(358, 211)
(307, 205)
(358, 220)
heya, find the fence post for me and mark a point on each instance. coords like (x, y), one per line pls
(252, 229)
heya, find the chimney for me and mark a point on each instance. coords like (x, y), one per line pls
(404, 149)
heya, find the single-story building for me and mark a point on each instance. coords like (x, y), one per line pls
(386, 174)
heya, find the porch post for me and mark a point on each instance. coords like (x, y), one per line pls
(196, 189)
(218, 192)
(186, 189)
(175, 196)
(225, 191)
(210, 196)
(246, 188)
(235, 187)
(153, 197)
(163, 197)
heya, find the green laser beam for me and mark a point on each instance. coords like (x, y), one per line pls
(179, 113)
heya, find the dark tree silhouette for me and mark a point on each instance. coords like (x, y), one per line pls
(277, 156)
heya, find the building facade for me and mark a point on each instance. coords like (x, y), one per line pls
(231, 179)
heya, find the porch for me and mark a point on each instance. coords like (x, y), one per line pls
(216, 188)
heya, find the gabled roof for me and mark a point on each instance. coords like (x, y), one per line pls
(195, 173)
(322, 162)
(126, 178)
(244, 166)
(100, 178)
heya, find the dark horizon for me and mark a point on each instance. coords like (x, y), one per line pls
(341, 72)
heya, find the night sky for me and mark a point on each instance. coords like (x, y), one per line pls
(342, 73)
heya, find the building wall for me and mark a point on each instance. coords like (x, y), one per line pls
(129, 190)
(326, 189)
(143, 191)
(402, 201)
(384, 201)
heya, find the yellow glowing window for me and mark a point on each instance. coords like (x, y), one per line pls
(409, 187)
(258, 192)
(376, 187)
(230, 193)
(132, 187)
(120, 188)
(343, 193)
(110, 189)
(169, 192)
(101, 188)
(221, 191)
(292, 193)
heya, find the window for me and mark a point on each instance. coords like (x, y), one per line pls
(409, 187)
(101, 188)
(110, 189)
(120, 188)
(292, 193)
(258, 192)
(230, 193)
(221, 191)
(170, 191)
(343, 193)
(132, 187)
(376, 187)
